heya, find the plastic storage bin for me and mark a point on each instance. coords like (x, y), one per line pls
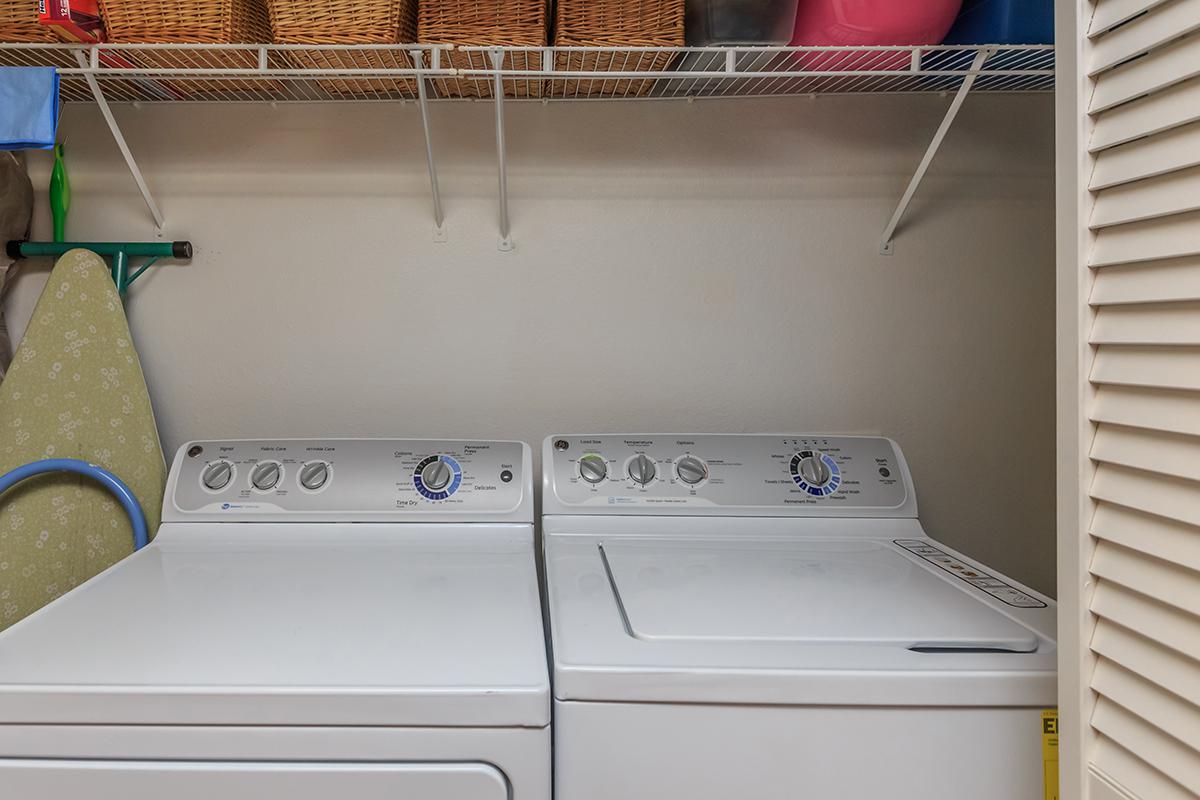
(717, 22)
(1004, 22)
(863, 23)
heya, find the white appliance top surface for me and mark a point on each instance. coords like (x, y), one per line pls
(821, 591)
(293, 624)
(787, 611)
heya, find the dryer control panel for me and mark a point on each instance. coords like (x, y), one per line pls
(350, 479)
(699, 474)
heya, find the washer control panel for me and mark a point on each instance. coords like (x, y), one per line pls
(687, 474)
(341, 478)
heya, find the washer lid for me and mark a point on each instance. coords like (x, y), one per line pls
(320, 624)
(853, 620)
(844, 592)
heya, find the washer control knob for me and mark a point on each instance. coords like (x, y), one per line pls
(691, 470)
(641, 469)
(216, 475)
(592, 468)
(314, 475)
(265, 475)
(436, 475)
(814, 470)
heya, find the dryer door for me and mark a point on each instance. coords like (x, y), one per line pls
(231, 780)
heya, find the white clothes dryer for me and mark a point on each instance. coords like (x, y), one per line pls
(764, 617)
(316, 618)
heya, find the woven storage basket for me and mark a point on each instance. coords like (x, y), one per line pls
(351, 22)
(192, 22)
(614, 23)
(19, 23)
(516, 23)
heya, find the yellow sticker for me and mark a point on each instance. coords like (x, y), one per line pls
(1050, 752)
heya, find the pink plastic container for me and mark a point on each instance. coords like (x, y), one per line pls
(858, 23)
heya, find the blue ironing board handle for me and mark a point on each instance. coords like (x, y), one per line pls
(98, 474)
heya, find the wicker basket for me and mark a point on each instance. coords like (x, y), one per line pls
(614, 23)
(192, 22)
(516, 23)
(348, 22)
(19, 23)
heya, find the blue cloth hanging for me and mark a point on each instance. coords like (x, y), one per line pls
(28, 108)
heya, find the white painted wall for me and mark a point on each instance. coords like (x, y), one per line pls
(704, 267)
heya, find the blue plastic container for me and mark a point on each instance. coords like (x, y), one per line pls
(1004, 22)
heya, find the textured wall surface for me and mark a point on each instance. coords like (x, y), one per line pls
(703, 267)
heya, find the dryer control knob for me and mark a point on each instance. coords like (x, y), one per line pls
(691, 470)
(592, 468)
(265, 475)
(217, 474)
(314, 475)
(642, 469)
(814, 470)
(436, 475)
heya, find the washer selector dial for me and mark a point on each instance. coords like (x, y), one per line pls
(592, 468)
(691, 470)
(642, 469)
(437, 477)
(816, 472)
(265, 475)
(314, 475)
(216, 476)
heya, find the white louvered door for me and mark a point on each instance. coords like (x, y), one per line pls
(1129, 350)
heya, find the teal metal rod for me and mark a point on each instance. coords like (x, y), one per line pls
(120, 270)
(120, 253)
(138, 249)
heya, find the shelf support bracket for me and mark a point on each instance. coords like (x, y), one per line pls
(885, 241)
(115, 129)
(439, 216)
(501, 151)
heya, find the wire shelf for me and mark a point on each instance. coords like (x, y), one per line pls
(330, 73)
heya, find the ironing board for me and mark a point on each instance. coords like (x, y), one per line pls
(75, 390)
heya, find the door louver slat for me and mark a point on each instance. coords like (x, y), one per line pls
(1149, 157)
(1153, 72)
(1160, 24)
(1156, 621)
(1111, 13)
(1173, 192)
(1172, 671)
(1146, 116)
(1155, 536)
(1150, 451)
(1148, 742)
(1179, 720)
(1157, 282)
(1134, 775)
(1159, 580)
(1159, 409)
(1169, 324)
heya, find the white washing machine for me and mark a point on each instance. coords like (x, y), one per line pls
(316, 618)
(764, 617)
